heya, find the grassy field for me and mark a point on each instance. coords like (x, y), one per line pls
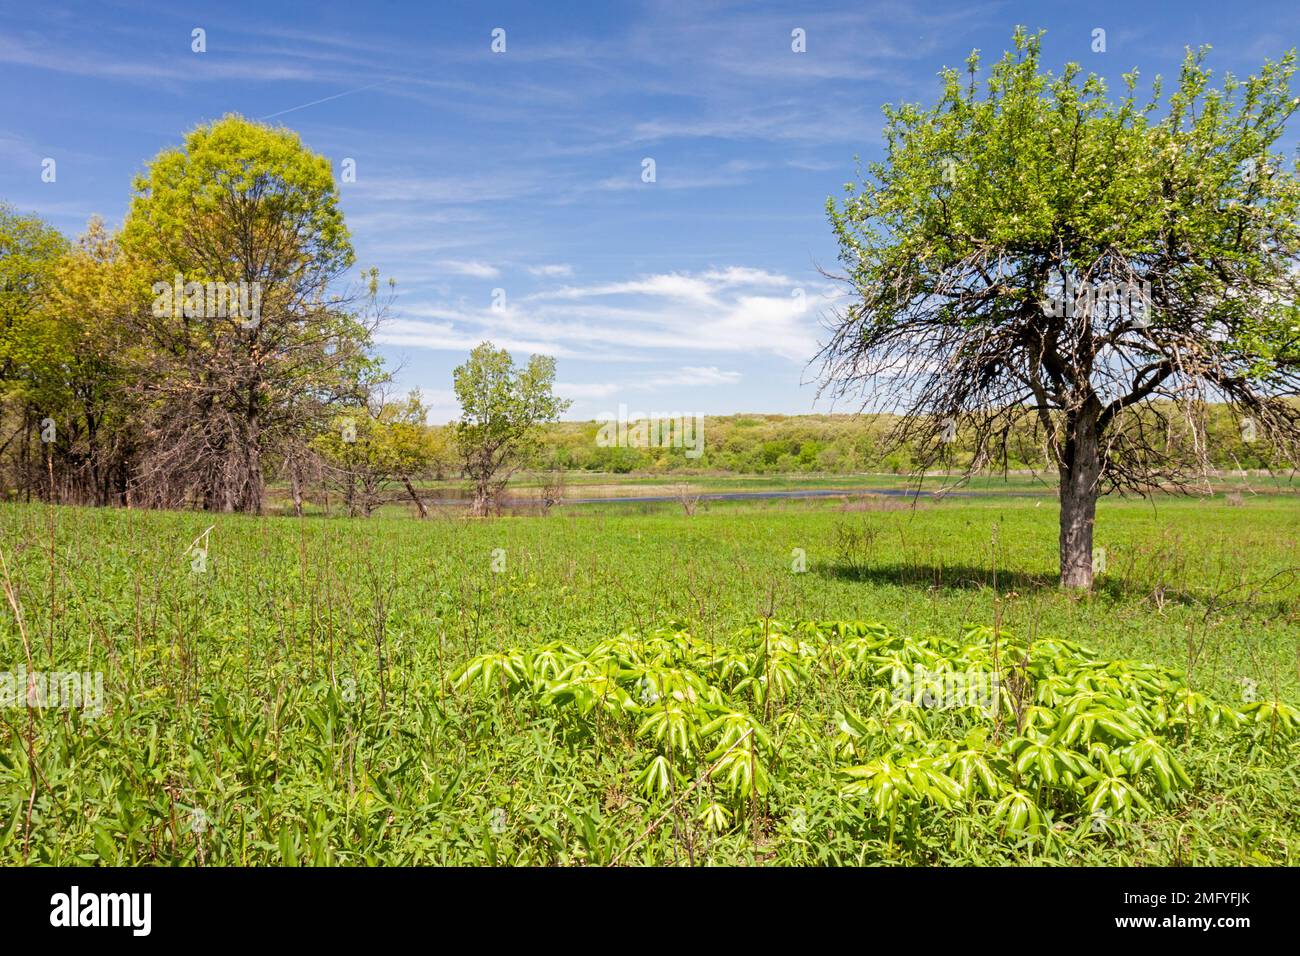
(299, 695)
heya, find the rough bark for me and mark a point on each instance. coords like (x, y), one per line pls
(295, 479)
(483, 496)
(1080, 471)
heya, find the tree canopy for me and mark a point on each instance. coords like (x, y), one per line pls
(247, 206)
(217, 331)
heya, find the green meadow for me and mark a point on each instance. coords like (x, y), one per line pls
(629, 684)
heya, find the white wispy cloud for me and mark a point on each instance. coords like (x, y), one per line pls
(553, 270)
(18, 151)
(686, 377)
(481, 187)
(690, 375)
(734, 310)
(469, 267)
(670, 178)
(461, 335)
(189, 67)
(739, 275)
(587, 391)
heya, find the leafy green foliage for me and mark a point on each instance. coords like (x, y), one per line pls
(237, 172)
(1103, 739)
(367, 449)
(30, 252)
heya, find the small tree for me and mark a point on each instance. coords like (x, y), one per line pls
(1041, 253)
(688, 498)
(371, 448)
(501, 407)
(551, 490)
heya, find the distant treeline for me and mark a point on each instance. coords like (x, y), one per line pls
(758, 444)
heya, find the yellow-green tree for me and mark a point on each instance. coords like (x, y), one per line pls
(246, 209)
(501, 410)
(370, 449)
(30, 252)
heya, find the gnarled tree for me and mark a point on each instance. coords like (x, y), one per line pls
(1105, 269)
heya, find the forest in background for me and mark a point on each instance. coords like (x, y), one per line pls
(767, 444)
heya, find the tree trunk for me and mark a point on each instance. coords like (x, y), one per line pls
(253, 491)
(1080, 470)
(295, 479)
(410, 489)
(482, 498)
(27, 454)
(251, 496)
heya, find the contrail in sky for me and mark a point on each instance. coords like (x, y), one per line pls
(326, 99)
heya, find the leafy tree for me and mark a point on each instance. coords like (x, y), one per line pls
(241, 202)
(30, 251)
(501, 409)
(1040, 251)
(85, 383)
(374, 447)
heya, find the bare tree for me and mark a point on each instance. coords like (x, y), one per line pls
(688, 498)
(551, 490)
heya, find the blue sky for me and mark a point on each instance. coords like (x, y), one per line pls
(522, 171)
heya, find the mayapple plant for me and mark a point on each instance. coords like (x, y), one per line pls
(1066, 737)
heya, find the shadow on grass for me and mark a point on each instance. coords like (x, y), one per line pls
(1116, 589)
(957, 576)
